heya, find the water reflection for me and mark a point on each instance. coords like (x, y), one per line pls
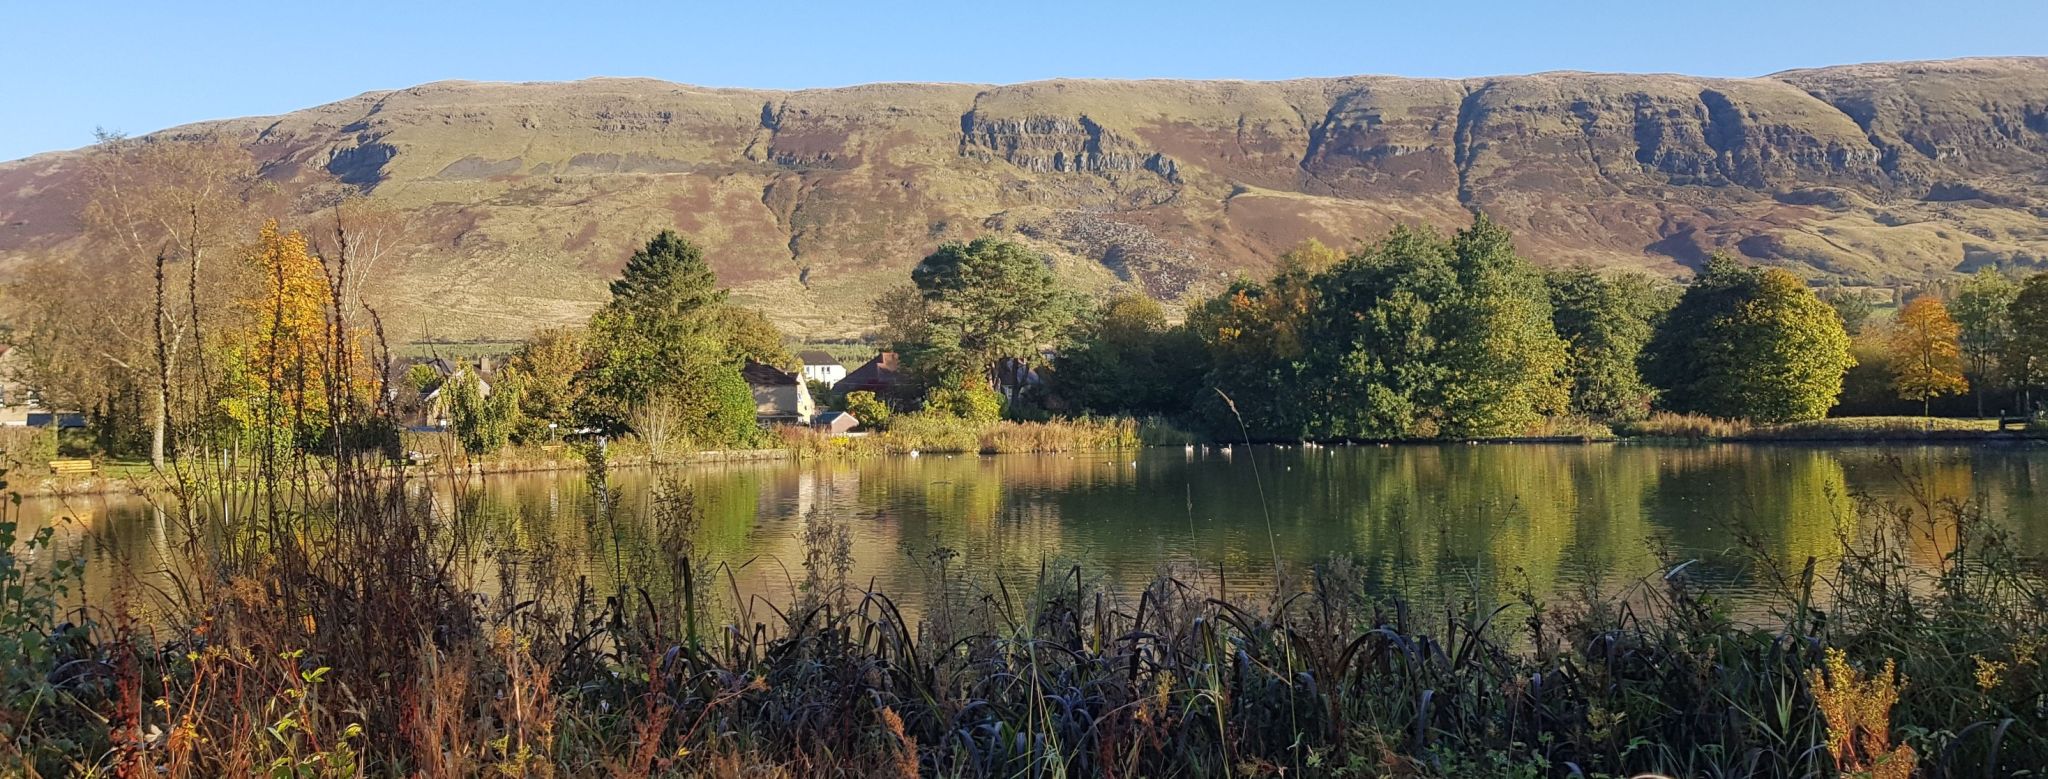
(1486, 521)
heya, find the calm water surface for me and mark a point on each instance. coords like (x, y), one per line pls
(1474, 521)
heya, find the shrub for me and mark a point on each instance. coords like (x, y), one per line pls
(32, 446)
(975, 404)
(870, 410)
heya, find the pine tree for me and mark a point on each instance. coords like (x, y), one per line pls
(659, 349)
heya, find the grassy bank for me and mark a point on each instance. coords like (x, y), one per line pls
(1694, 427)
(306, 647)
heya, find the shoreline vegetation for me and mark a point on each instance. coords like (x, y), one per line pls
(1092, 435)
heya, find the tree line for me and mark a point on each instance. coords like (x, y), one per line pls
(1423, 335)
(189, 307)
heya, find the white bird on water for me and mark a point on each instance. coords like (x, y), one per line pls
(913, 452)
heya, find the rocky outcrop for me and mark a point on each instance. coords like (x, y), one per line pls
(526, 196)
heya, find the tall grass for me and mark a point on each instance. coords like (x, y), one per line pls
(1692, 427)
(943, 434)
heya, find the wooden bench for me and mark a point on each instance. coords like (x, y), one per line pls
(72, 467)
(2019, 422)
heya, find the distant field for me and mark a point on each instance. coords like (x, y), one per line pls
(852, 354)
(455, 349)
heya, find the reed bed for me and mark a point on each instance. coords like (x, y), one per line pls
(940, 434)
(1689, 427)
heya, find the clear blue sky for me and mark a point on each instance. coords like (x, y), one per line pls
(67, 67)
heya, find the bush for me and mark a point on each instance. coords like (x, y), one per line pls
(870, 410)
(974, 404)
(32, 446)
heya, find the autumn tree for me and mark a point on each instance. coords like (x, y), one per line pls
(980, 303)
(283, 364)
(376, 233)
(1926, 361)
(1982, 315)
(1750, 343)
(1253, 335)
(2025, 358)
(156, 210)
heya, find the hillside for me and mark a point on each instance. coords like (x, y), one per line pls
(526, 197)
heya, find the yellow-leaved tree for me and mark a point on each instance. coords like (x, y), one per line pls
(1926, 359)
(285, 363)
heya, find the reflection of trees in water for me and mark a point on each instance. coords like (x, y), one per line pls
(1415, 518)
(1496, 518)
(1793, 500)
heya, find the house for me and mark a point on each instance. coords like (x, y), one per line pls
(1014, 377)
(882, 375)
(433, 405)
(62, 420)
(821, 367)
(836, 422)
(780, 398)
(416, 388)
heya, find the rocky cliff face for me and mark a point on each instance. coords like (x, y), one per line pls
(525, 197)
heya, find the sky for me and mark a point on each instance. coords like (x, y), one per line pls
(67, 68)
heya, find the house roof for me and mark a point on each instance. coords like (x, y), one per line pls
(833, 416)
(816, 357)
(761, 375)
(882, 372)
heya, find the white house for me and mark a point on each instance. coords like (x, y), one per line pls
(821, 367)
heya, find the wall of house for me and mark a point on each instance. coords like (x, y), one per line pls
(784, 400)
(830, 374)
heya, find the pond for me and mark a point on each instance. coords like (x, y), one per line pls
(1486, 522)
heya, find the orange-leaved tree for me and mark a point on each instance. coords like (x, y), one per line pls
(1926, 359)
(285, 359)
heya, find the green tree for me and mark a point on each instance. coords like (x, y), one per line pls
(1423, 336)
(2025, 362)
(971, 401)
(1125, 359)
(1851, 307)
(659, 342)
(982, 302)
(750, 336)
(483, 421)
(1605, 321)
(546, 367)
(1982, 311)
(870, 410)
(1751, 343)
